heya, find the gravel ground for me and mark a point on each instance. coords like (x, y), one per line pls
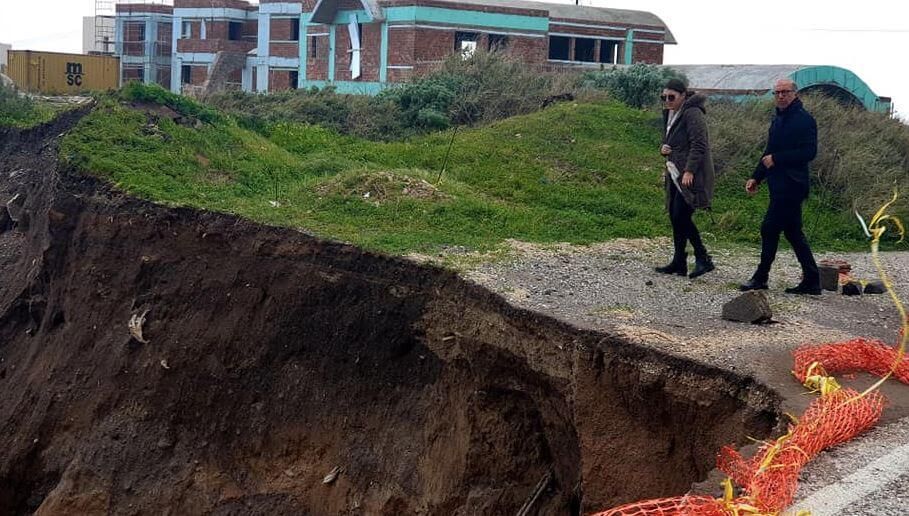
(867, 477)
(611, 287)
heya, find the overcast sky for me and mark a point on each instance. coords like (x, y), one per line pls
(869, 37)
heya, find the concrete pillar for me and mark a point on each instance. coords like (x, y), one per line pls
(118, 44)
(304, 49)
(246, 81)
(150, 73)
(176, 65)
(263, 52)
(629, 46)
(383, 54)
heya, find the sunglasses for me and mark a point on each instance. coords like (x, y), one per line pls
(670, 98)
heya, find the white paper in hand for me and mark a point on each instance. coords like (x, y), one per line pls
(674, 174)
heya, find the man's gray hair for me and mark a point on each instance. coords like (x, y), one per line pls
(789, 81)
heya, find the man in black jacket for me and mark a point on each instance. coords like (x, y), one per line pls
(791, 145)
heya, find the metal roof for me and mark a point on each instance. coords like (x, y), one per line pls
(325, 9)
(734, 80)
(602, 15)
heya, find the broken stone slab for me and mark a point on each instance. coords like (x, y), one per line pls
(853, 288)
(751, 307)
(830, 277)
(875, 287)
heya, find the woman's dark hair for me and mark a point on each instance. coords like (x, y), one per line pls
(676, 85)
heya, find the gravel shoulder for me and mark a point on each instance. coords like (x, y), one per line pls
(611, 287)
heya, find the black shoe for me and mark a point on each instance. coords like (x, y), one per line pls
(674, 267)
(753, 284)
(804, 288)
(702, 267)
(678, 265)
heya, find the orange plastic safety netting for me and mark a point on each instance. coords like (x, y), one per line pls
(857, 355)
(769, 479)
(700, 505)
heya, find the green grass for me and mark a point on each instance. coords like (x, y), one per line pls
(578, 173)
(23, 113)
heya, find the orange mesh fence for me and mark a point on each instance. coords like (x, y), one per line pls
(770, 478)
(680, 505)
(856, 355)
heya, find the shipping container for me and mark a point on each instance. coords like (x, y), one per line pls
(52, 73)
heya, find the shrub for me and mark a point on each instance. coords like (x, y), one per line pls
(637, 85)
(154, 94)
(484, 87)
(16, 110)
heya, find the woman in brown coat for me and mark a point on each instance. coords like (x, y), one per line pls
(689, 178)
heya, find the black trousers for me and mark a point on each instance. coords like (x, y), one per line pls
(683, 228)
(785, 216)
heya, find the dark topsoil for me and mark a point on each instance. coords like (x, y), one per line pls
(274, 357)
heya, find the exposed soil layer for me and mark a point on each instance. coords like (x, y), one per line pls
(273, 357)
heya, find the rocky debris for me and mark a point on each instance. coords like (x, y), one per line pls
(875, 287)
(830, 278)
(750, 307)
(832, 270)
(853, 288)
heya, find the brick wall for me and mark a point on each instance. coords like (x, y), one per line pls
(587, 31)
(529, 50)
(400, 47)
(281, 29)
(163, 78)
(284, 49)
(197, 75)
(279, 80)
(132, 74)
(207, 4)
(649, 53)
(143, 8)
(213, 45)
(164, 46)
(317, 65)
(350, 5)
(432, 45)
(134, 38)
(370, 48)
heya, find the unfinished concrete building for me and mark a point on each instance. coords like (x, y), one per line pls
(144, 42)
(361, 46)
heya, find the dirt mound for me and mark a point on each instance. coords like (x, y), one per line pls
(380, 186)
(273, 358)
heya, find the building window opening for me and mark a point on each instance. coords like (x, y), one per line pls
(465, 42)
(583, 50)
(293, 79)
(559, 47)
(186, 74)
(313, 47)
(295, 29)
(609, 52)
(497, 42)
(235, 31)
(187, 32)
